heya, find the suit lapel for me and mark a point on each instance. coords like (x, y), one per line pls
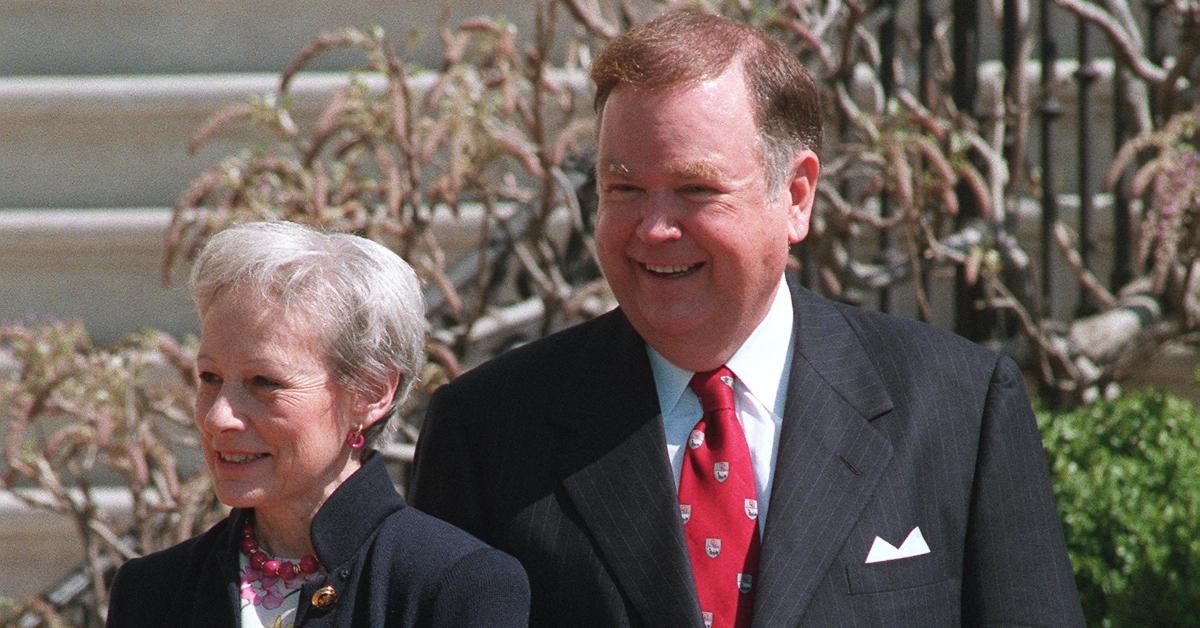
(830, 459)
(620, 481)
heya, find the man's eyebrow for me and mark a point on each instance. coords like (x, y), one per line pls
(615, 167)
(699, 169)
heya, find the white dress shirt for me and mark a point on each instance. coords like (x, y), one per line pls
(761, 367)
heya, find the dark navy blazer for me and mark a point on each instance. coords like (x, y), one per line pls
(390, 565)
(555, 453)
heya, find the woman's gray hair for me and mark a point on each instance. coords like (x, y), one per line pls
(362, 296)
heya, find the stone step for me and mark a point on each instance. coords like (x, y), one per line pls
(98, 266)
(102, 266)
(121, 141)
(100, 37)
(148, 36)
(37, 547)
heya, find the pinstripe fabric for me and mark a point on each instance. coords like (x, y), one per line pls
(554, 453)
(569, 473)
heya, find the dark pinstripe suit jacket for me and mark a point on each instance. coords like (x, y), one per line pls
(554, 453)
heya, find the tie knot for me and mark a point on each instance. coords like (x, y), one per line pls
(714, 388)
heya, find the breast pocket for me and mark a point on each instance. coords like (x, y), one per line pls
(894, 575)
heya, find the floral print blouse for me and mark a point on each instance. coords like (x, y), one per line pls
(269, 601)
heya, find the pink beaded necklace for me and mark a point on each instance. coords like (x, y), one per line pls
(273, 567)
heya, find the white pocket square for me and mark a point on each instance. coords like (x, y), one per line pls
(882, 551)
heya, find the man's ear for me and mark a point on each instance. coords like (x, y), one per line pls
(802, 193)
(373, 406)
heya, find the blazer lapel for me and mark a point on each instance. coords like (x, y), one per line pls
(621, 483)
(830, 459)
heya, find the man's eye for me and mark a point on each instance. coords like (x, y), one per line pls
(697, 190)
(621, 190)
(210, 378)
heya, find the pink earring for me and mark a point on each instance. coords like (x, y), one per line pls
(354, 439)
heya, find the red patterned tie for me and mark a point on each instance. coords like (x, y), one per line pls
(719, 506)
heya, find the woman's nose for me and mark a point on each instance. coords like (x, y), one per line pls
(217, 414)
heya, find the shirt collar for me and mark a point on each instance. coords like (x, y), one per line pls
(762, 364)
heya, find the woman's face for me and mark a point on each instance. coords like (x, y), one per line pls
(272, 419)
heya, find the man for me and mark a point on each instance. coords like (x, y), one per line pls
(883, 472)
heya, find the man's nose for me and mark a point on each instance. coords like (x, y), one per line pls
(660, 220)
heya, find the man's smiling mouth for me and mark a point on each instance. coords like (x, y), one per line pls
(672, 270)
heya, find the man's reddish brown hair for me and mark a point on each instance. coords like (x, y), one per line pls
(681, 47)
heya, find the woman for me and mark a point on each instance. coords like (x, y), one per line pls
(309, 341)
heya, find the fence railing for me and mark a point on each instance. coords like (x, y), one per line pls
(1050, 31)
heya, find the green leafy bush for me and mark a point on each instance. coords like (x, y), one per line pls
(1126, 477)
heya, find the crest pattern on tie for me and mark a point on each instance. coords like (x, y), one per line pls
(719, 506)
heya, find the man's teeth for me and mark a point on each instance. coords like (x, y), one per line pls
(240, 458)
(667, 270)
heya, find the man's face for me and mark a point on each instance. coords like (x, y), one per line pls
(688, 235)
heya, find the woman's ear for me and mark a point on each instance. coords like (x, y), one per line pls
(373, 406)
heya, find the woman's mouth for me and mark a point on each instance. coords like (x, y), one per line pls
(239, 458)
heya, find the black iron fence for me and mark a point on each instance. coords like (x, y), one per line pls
(1056, 38)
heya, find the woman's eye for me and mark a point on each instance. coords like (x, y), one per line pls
(208, 377)
(263, 382)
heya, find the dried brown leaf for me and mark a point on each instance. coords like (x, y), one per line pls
(325, 41)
